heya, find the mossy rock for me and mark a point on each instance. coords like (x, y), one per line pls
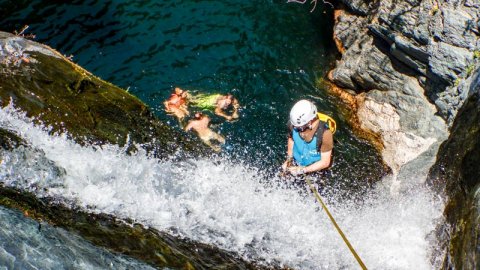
(9, 140)
(127, 237)
(61, 94)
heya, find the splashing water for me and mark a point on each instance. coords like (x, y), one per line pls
(25, 246)
(225, 203)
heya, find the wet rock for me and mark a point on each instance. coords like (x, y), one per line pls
(126, 237)
(413, 70)
(456, 175)
(64, 96)
(9, 140)
(59, 94)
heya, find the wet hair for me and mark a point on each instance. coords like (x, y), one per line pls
(181, 90)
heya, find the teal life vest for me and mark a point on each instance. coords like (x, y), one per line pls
(305, 153)
(308, 153)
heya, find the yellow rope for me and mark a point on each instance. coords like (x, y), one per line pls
(335, 224)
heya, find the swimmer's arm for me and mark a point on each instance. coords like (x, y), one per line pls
(167, 106)
(219, 112)
(189, 126)
(236, 106)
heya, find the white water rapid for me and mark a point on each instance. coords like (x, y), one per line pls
(224, 203)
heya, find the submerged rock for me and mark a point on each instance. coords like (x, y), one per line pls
(9, 140)
(125, 237)
(24, 192)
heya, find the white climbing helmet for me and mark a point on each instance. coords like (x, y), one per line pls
(302, 112)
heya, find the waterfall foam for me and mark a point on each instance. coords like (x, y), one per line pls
(225, 203)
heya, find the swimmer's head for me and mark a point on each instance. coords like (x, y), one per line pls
(198, 115)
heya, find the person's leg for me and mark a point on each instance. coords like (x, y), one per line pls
(208, 141)
(218, 137)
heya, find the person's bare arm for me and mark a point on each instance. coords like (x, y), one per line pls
(167, 106)
(236, 106)
(321, 164)
(289, 159)
(219, 112)
(189, 126)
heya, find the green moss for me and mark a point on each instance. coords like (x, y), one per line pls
(66, 97)
(469, 70)
(476, 54)
(457, 81)
(146, 244)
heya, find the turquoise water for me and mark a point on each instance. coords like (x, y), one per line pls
(267, 53)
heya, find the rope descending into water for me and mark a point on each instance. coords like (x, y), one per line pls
(315, 192)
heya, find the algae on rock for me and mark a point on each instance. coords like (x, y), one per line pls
(64, 96)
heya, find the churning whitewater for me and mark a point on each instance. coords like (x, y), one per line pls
(225, 203)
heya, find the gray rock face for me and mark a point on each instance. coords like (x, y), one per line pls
(447, 61)
(360, 7)
(437, 42)
(414, 64)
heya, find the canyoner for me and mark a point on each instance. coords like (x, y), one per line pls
(309, 150)
(310, 140)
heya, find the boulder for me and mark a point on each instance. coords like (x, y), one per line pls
(68, 99)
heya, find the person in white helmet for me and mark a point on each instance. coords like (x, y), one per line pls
(310, 141)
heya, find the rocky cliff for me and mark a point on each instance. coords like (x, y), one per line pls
(456, 173)
(411, 66)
